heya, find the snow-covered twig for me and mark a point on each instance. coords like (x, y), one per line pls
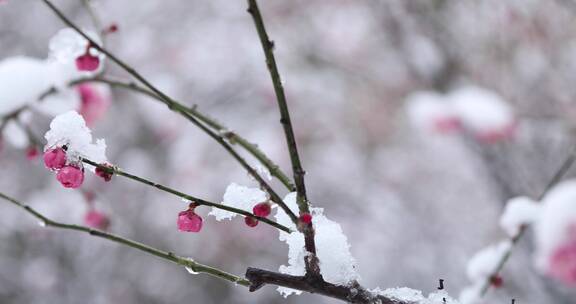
(177, 107)
(116, 171)
(312, 265)
(169, 256)
(558, 175)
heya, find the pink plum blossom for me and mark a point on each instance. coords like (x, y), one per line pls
(70, 176)
(55, 158)
(103, 173)
(188, 221)
(262, 209)
(32, 153)
(251, 221)
(87, 62)
(94, 103)
(97, 220)
(562, 263)
(306, 218)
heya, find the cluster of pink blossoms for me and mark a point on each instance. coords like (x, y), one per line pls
(261, 210)
(189, 221)
(264, 209)
(70, 175)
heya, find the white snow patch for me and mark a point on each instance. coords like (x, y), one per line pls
(70, 129)
(336, 262)
(414, 296)
(401, 294)
(519, 211)
(23, 79)
(67, 45)
(426, 109)
(471, 294)
(481, 110)
(54, 104)
(484, 263)
(15, 135)
(240, 197)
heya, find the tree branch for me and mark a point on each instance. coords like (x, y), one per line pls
(256, 278)
(231, 136)
(558, 175)
(169, 256)
(312, 266)
(352, 294)
(177, 107)
(114, 170)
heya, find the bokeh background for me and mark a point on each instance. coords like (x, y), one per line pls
(415, 206)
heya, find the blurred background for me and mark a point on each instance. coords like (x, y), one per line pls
(415, 205)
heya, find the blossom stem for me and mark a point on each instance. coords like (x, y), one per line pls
(186, 262)
(199, 201)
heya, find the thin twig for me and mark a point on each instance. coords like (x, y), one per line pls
(312, 266)
(177, 107)
(186, 262)
(232, 137)
(116, 171)
(564, 167)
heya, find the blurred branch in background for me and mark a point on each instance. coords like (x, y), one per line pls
(556, 178)
(186, 262)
